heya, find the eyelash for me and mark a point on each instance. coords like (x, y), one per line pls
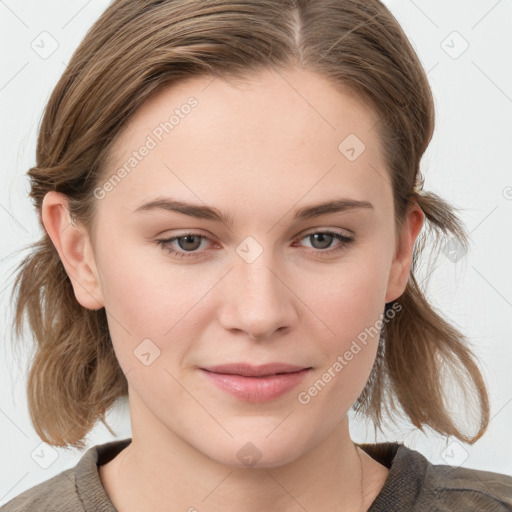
(345, 241)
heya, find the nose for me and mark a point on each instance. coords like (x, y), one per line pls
(257, 300)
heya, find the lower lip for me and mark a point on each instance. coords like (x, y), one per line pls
(256, 389)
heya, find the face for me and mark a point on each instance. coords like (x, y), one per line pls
(264, 284)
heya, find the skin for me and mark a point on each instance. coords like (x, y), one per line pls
(257, 151)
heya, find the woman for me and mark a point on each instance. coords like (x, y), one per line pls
(232, 206)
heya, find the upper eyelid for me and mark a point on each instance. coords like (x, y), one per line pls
(297, 237)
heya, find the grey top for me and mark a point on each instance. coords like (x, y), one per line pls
(412, 484)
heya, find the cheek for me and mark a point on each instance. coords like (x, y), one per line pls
(149, 298)
(352, 306)
(353, 297)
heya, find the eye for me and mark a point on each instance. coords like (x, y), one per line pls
(189, 243)
(324, 239)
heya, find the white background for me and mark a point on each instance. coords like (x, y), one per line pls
(468, 163)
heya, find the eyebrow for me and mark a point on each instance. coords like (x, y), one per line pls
(209, 213)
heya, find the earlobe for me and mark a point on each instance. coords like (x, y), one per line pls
(401, 265)
(72, 243)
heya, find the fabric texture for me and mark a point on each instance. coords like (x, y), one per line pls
(413, 484)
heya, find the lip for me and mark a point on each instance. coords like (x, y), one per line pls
(248, 370)
(267, 382)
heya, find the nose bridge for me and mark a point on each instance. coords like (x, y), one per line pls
(259, 282)
(258, 302)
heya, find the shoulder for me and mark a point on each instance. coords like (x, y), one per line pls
(458, 488)
(416, 484)
(446, 488)
(56, 494)
(75, 489)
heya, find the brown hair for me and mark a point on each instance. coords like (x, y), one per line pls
(139, 46)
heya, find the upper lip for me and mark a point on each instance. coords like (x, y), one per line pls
(248, 370)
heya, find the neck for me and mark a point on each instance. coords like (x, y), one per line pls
(163, 472)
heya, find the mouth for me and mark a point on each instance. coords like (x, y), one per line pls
(248, 370)
(256, 384)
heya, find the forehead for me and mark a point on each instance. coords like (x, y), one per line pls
(277, 136)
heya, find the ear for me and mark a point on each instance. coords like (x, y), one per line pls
(73, 245)
(400, 267)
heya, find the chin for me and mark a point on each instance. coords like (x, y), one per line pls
(256, 453)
